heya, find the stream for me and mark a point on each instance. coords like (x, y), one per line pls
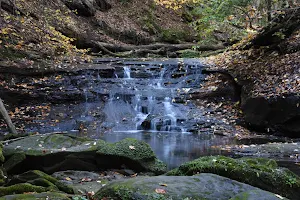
(131, 98)
(146, 100)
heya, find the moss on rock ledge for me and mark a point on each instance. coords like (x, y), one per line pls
(20, 189)
(56, 152)
(133, 153)
(203, 186)
(259, 172)
(38, 178)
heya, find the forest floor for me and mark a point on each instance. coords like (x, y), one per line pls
(268, 72)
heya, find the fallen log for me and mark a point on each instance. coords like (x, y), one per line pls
(112, 49)
(7, 119)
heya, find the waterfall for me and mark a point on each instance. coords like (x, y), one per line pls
(127, 72)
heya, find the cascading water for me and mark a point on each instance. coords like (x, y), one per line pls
(142, 99)
(127, 72)
(147, 102)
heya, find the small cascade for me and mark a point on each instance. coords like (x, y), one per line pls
(127, 72)
(169, 110)
(133, 105)
(161, 76)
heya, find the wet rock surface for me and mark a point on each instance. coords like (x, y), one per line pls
(158, 102)
(56, 152)
(280, 113)
(203, 186)
(259, 172)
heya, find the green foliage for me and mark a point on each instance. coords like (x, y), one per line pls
(213, 16)
(173, 35)
(188, 53)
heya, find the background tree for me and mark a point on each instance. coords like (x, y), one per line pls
(227, 20)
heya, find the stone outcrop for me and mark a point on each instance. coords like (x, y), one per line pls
(259, 172)
(58, 152)
(203, 186)
(279, 112)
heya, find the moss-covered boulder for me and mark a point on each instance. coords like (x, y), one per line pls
(259, 172)
(132, 153)
(35, 196)
(58, 152)
(21, 188)
(38, 178)
(203, 186)
(14, 162)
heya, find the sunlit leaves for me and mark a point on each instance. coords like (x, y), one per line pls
(26, 33)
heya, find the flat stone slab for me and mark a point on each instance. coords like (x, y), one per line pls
(202, 186)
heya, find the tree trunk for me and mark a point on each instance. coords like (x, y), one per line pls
(7, 119)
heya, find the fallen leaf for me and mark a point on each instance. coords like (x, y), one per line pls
(160, 191)
(68, 179)
(163, 184)
(86, 180)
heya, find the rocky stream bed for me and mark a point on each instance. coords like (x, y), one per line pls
(173, 114)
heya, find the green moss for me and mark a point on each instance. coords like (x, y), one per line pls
(2, 177)
(157, 167)
(38, 178)
(40, 196)
(21, 188)
(137, 154)
(11, 54)
(130, 148)
(14, 160)
(259, 172)
(173, 35)
(1, 155)
(42, 182)
(38, 175)
(188, 53)
(57, 141)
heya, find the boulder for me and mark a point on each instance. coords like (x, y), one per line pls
(133, 154)
(276, 150)
(21, 188)
(38, 178)
(203, 186)
(279, 112)
(82, 181)
(259, 172)
(58, 152)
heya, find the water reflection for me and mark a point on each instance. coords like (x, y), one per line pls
(174, 148)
